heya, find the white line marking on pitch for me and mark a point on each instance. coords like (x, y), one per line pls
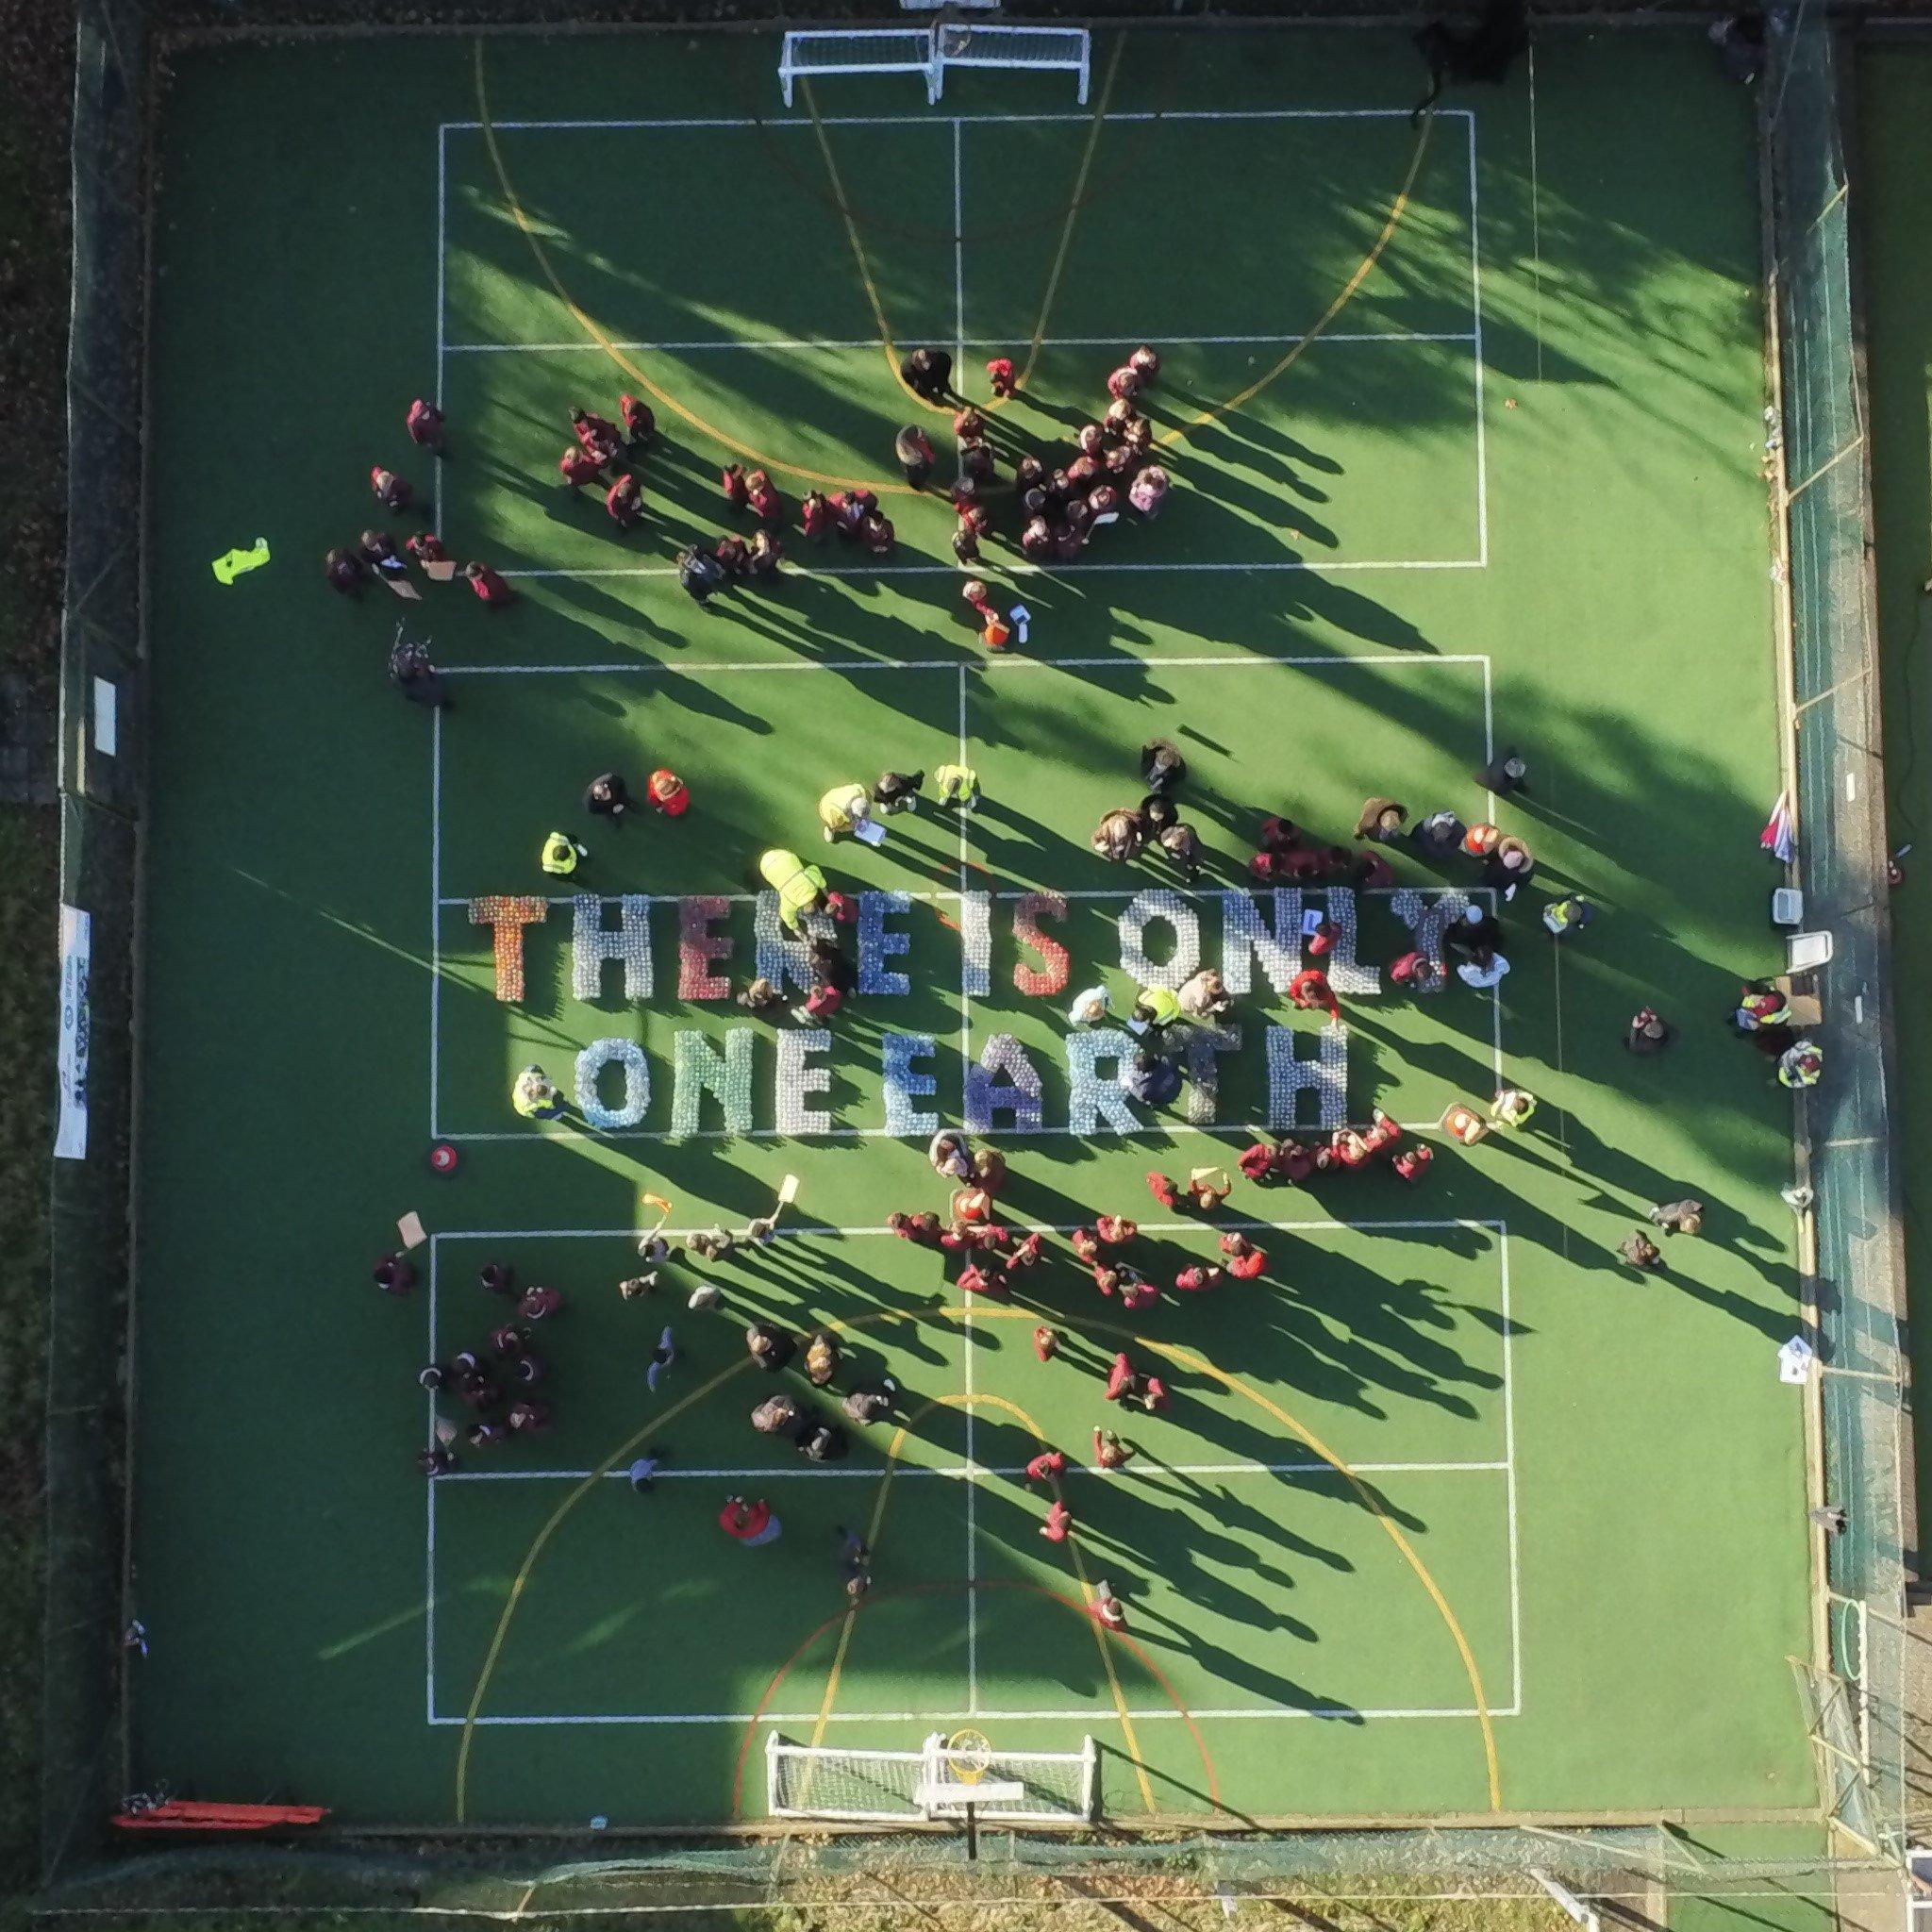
(776, 120)
(1019, 567)
(958, 1472)
(646, 667)
(1100, 1711)
(812, 345)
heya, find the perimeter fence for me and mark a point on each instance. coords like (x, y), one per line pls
(1858, 1271)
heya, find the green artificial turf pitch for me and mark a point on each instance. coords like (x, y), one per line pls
(1451, 1515)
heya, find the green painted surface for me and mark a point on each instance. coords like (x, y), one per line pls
(1607, 520)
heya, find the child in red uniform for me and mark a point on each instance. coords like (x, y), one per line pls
(1244, 1259)
(999, 373)
(1085, 1245)
(1126, 1383)
(639, 425)
(424, 427)
(1045, 1467)
(1046, 1342)
(579, 466)
(977, 1280)
(487, 585)
(623, 500)
(1257, 1162)
(923, 1228)
(425, 546)
(1115, 1230)
(815, 512)
(1310, 989)
(596, 434)
(1414, 972)
(395, 1274)
(1296, 1163)
(764, 501)
(1059, 1519)
(390, 490)
(731, 480)
(1208, 1188)
(750, 1524)
(1412, 1163)
(1197, 1279)
(668, 793)
(1110, 1452)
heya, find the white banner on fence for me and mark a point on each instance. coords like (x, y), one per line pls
(76, 941)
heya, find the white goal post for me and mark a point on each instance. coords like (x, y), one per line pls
(934, 1782)
(930, 51)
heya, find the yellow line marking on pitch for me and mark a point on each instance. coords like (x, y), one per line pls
(1166, 439)
(583, 321)
(1366, 267)
(1087, 1596)
(1174, 1351)
(1060, 261)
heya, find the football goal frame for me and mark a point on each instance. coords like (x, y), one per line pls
(931, 52)
(943, 1780)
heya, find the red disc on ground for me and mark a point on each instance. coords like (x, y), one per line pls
(443, 1158)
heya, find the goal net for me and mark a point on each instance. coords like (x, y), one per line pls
(935, 1781)
(931, 51)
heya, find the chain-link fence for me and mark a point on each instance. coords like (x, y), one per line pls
(1858, 1271)
(100, 779)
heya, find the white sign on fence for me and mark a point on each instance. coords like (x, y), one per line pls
(76, 941)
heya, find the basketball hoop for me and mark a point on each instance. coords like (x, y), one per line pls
(958, 1784)
(969, 1756)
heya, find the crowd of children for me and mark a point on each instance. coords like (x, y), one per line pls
(1062, 506)
(375, 555)
(502, 1385)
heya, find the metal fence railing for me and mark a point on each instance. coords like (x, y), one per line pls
(100, 784)
(1846, 1135)
(1858, 1272)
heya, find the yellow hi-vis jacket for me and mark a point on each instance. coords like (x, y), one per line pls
(797, 884)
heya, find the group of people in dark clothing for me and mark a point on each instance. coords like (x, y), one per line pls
(1060, 507)
(492, 1382)
(350, 567)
